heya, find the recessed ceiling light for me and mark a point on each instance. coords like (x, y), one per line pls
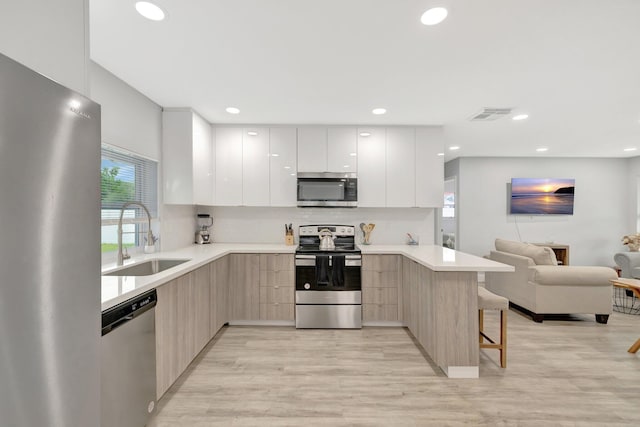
(541, 149)
(287, 167)
(520, 117)
(150, 11)
(75, 104)
(453, 148)
(434, 16)
(252, 133)
(232, 110)
(379, 111)
(365, 134)
(630, 149)
(353, 154)
(275, 155)
(345, 166)
(440, 154)
(292, 174)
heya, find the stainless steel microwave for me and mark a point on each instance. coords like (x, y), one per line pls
(328, 190)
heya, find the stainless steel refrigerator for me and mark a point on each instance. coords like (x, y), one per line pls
(49, 252)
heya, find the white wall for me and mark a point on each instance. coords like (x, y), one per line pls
(133, 122)
(594, 231)
(266, 225)
(51, 37)
(130, 120)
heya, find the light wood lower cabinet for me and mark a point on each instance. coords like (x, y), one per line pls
(244, 287)
(182, 325)
(381, 281)
(277, 287)
(219, 270)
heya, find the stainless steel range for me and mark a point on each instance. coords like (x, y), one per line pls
(328, 280)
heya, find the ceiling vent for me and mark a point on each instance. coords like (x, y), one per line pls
(490, 114)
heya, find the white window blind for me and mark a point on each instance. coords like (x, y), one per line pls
(127, 178)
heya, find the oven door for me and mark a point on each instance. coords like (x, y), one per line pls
(328, 272)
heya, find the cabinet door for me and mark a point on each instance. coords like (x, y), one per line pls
(244, 287)
(283, 142)
(203, 162)
(200, 308)
(341, 149)
(429, 167)
(228, 166)
(401, 164)
(167, 369)
(255, 167)
(371, 167)
(219, 293)
(312, 149)
(177, 150)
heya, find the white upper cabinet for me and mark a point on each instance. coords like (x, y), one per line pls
(341, 149)
(203, 162)
(188, 166)
(228, 166)
(255, 167)
(312, 149)
(429, 167)
(283, 180)
(401, 167)
(371, 167)
(322, 149)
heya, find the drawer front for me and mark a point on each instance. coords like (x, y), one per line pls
(277, 294)
(380, 279)
(276, 262)
(380, 296)
(277, 311)
(380, 312)
(282, 277)
(381, 262)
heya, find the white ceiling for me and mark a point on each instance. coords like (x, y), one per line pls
(572, 65)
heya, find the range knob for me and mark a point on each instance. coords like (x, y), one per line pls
(307, 286)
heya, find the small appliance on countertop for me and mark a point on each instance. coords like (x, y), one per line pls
(203, 236)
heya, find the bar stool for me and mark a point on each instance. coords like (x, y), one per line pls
(490, 301)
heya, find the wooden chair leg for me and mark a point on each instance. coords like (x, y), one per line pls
(635, 347)
(503, 338)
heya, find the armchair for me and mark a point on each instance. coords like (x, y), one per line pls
(629, 263)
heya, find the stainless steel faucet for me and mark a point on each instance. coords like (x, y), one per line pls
(150, 237)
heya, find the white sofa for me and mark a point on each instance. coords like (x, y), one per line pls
(540, 286)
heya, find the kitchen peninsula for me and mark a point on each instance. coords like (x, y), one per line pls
(438, 292)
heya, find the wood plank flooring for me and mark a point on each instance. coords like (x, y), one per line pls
(569, 371)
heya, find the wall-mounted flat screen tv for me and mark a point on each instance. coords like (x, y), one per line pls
(542, 196)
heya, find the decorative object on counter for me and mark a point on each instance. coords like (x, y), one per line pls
(288, 235)
(632, 241)
(411, 240)
(202, 235)
(367, 229)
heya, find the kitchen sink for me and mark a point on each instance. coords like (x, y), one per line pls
(147, 268)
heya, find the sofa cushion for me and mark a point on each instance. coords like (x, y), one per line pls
(541, 255)
(571, 275)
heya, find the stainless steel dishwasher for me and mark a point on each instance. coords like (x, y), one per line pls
(128, 369)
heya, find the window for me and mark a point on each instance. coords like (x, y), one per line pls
(126, 177)
(449, 207)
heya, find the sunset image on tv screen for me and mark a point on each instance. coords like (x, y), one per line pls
(542, 196)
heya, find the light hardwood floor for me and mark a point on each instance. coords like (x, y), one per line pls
(564, 372)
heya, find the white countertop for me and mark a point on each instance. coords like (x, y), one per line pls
(439, 258)
(117, 289)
